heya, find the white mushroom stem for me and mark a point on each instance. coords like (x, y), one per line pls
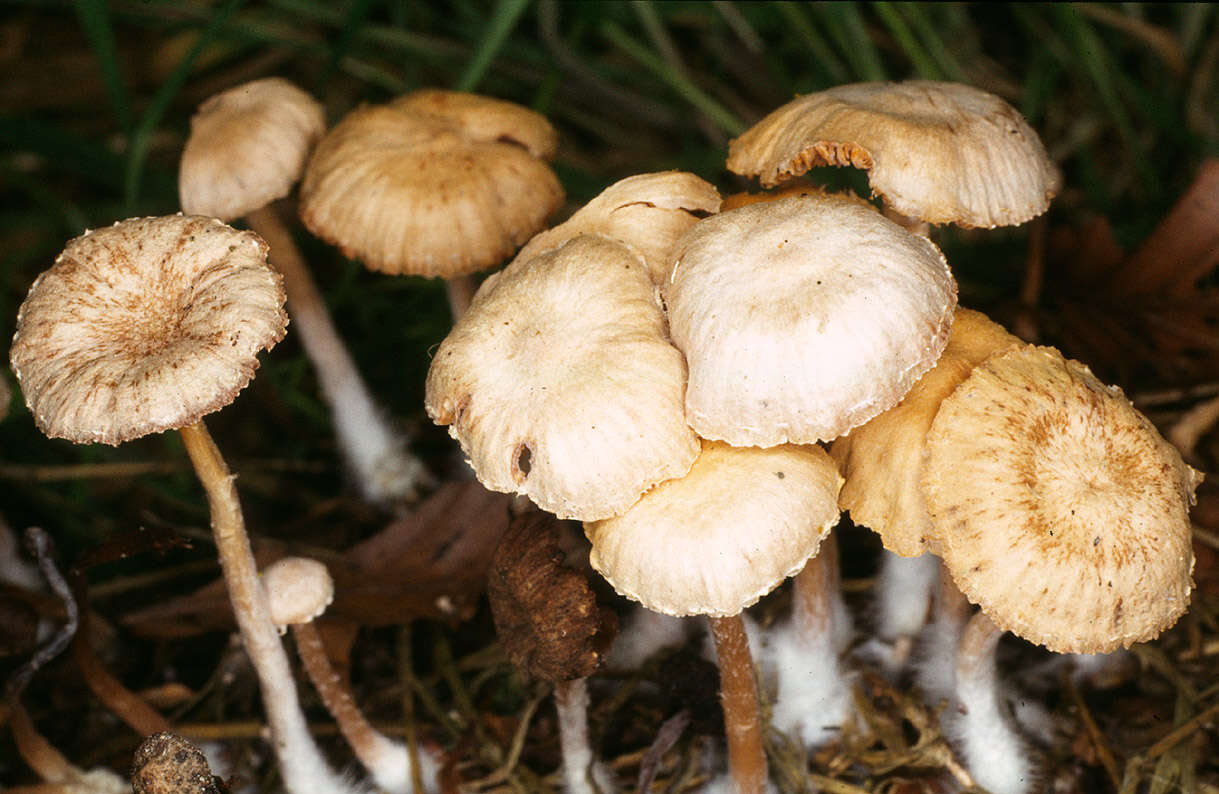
(739, 700)
(386, 471)
(460, 290)
(386, 760)
(993, 751)
(581, 772)
(301, 765)
(814, 697)
(905, 589)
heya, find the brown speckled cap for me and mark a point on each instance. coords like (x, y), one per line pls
(716, 540)
(648, 212)
(436, 183)
(1058, 507)
(937, 152)
(145, 326)
(561, 383)
(166, 763)
(882, 460)
(247, 148)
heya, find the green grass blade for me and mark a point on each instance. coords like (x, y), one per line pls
(923, 63)
(94, 17)
(507, 13)
(933, 40)
(353, 22)
(851, 35)
(793, 14)
(690, 92)
(138, 148)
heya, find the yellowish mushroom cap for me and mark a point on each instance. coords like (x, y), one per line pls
(938, 152)
(716, 540)
(648, 212)
(560, 382)
(436, 183)
(882, 460)
(804, 317)
(1058, 507)
(145, 326)
(247, 148)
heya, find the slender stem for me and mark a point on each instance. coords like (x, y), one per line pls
(380, 755)
(38, 754)
(739, 699)
(386, 471)
(460, 290)
(127, 705)
(301, 765)
(976, 655)
(813, 591)
(571, 703)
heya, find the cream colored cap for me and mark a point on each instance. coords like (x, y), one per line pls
(1059, 508)
(938, 152)
(247, 148)
(882, 460)
(298, 589)
(145, 326)
(723, 536)
(560, 382)
(436, 183)
(804, 317)
(648, 212)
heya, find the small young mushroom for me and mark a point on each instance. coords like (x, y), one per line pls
(936, 152)
(146, 326)
(548, 620)
(247, 148)
(561, 383)
(436, 183)
(713, 543)
(1057, 507)
(298, 591)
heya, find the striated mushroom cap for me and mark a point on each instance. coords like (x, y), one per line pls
(726, 534)
(648, 212)
(938, 152)
(560, 382)
(145, 326)
(436, 183)
(882, 459)
(298, 590)
(247, 148)
(1058, 507)
(802, 318)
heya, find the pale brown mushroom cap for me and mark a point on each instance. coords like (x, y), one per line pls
(145, 326)
(433, 184)
(1059, 508)
(560, 382)
(716, 540)
(882, 459)
(938, 152)
(648, 212)
(803, 317)
(298, 590)
(247, 148)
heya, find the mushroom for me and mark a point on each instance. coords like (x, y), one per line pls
(936, 152)
(561, 384)
(247, 148)
(802, 318)
(146, 326)
(548, 620)
(882, 462)
(436, 183)
(298, 591)
(712, 543)
(1035, 471)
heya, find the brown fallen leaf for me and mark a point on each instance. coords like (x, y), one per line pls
(430, 563)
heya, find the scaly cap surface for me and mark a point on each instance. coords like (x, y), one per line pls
(145, 326)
